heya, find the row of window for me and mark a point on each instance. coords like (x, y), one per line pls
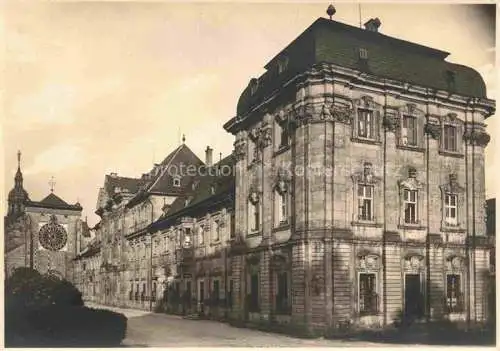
(367, 128)
(367, 295)
(366, 202)
(410, 206)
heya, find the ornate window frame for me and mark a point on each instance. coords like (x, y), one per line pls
(451, 119)
(367, 103)
(254, 202)
(411, 183)
(367, 177)
(455, 265)
(452, 187)
(281, 190)
(368, 262)
(281, 121)
(410, 110)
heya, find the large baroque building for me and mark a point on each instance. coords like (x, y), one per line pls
(356, 196)
(45, 235)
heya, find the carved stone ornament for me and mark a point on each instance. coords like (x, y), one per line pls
(454, 263)
(477, 136)
(413, 263)
(254, 134)
(265, 136)
(302, 115)
(240, 147)
(369, 262)
(281, 117)
(342, 113)
(391, 122)
(278, 262)
(452, 186)
(411, 183)
(434, 130)
(253, 196)
(366, 176)
(282, 181)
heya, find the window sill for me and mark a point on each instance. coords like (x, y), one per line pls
(410, 226)
(254, 234)
(365, 141)
(280, 227)
(215, 243)
(447, 153)
(452, 229)
(411, 148)
(281, 150)
(370, 224)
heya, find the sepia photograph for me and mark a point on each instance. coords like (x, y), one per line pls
(249, 174)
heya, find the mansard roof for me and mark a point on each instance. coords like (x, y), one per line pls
(55, 202)
(205, 192)
(327, 41)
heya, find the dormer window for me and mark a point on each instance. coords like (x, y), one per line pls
(254, 85)
(363, 54)
(177, 181)
(282, 65)
(450, 80)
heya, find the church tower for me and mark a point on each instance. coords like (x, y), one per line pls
(17, 196)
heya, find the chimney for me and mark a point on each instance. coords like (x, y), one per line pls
(113, 175)
(373, 24)
(208, 156)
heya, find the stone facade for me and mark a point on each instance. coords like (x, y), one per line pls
(43, 235)
(357, 197)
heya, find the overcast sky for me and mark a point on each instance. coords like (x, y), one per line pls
(93, 88)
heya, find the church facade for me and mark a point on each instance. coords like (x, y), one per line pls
(44, 235)
(355, 197)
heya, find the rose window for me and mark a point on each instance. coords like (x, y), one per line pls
(53, 236)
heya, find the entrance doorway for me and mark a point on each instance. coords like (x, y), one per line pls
(414, 297)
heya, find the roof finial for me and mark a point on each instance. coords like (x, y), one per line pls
(183, 138)
(330, 11)
(19, 159)
(52, 183)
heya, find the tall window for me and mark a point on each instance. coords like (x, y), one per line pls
(450, 138)
(216, 291)
(216, 230)
(153, 292)
(143, 293)
(282, 296)
(230, 294)
(365, 124)
(201, 291)
(254, 216)
(131, 294)
(284, 135)
(410, 205)
(137, 292)
(282, 207)
(253, 296)
(368, 298)
(201, 235)
(454, 301)
(365, 202)
(450, 208)
(409, 131)
(232, 227)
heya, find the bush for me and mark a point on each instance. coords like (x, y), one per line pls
(44, 310)
(27, 288)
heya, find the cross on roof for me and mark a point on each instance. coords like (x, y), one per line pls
(52, 183)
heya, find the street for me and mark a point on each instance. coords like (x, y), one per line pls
(146, 329)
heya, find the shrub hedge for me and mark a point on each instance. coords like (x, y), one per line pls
(47, 311)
